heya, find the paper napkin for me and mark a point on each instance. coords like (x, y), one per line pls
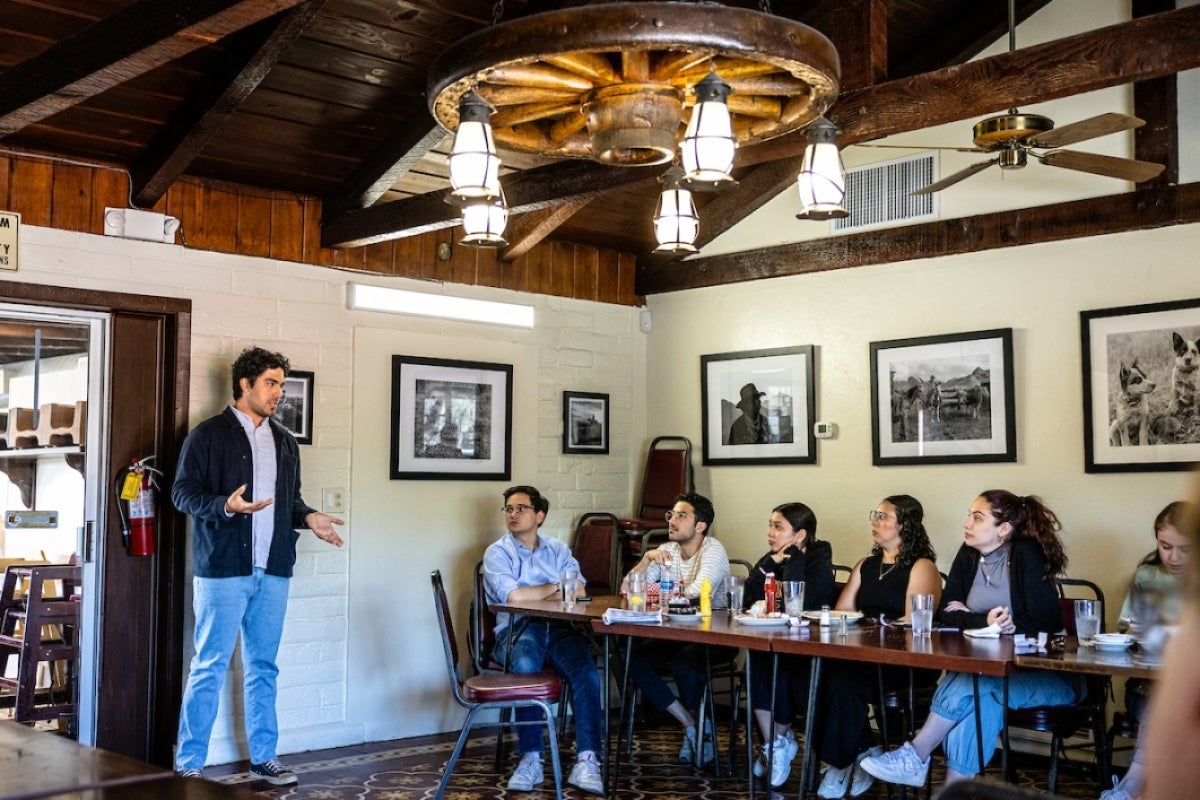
(990, 632)
(636, 617)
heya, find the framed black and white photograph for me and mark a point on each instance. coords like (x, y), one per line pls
(295, 409)
(1141, 387)
(943, 399)
(585, 423)
(759, 406)
(451, 420)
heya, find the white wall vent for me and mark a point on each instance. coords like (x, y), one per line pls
(879, 195)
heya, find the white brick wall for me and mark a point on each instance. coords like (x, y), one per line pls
(300, 310)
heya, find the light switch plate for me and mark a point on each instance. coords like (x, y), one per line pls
(333, 501)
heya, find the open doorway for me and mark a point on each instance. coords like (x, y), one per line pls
(136, 601)
(52, 384)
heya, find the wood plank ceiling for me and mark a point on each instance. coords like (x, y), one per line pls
(327, 98)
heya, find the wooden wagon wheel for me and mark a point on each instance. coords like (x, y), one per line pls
(614, 81)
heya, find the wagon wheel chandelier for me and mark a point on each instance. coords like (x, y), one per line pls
(627, 84)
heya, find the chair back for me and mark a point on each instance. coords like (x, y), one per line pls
(596, 549)
(841, 576)
(482, 627)
(1072, 589)
(742, 564)
(668, 474)
(446, 627)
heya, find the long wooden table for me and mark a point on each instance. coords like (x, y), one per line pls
(41, 764)
(1089, 661)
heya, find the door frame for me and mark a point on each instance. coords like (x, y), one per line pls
(141, 644)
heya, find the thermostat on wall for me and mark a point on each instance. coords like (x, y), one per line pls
(824, 430)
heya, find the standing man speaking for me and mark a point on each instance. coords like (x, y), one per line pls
(239, 478)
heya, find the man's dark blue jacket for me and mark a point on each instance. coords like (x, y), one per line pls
(215, 461)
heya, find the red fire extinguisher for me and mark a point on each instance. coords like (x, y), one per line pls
(136, 485)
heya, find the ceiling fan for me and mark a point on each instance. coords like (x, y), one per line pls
(1014, 136)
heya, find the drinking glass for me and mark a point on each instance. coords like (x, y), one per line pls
(922, 615)
(793, 598)
(736, 585)
(569, 584)
(1087, 620)
(637, 591)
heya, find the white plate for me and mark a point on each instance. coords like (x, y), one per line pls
(685, 619)
(742, 619)
(851, 616)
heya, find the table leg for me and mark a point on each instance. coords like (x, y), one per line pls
(807, 765)
(978, 722)
(749, 727)
(606, 704)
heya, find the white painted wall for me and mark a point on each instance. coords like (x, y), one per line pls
(361, 659)
(1038, 291)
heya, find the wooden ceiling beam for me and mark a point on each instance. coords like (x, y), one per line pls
(1157, 102)
(531, 228)
(532, 190)
(128, 43)
(1096, 216)
(380, 171)
(858, 30)
(253, 52)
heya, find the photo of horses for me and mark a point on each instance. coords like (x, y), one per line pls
(943, 399)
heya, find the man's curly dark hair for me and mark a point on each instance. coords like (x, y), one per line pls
(254, 361)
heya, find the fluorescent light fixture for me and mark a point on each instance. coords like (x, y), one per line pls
(401, 301)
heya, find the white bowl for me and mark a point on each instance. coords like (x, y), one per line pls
(1112, 642)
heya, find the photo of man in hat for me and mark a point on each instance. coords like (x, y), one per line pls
(751, 426)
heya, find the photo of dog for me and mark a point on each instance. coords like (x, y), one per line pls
(1132, 406)
(1185, 377)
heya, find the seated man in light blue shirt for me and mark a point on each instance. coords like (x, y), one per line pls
(524, 565)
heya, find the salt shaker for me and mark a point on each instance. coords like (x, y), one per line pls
(842, 626)
(825, 620)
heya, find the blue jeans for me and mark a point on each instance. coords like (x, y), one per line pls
(955, 701)
(544, 643)
(255, 606)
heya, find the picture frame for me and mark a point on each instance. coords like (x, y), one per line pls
(758, 406)
(962, 413)
(295, 408)
(1141, 387)
(451, 420)
(585, 423)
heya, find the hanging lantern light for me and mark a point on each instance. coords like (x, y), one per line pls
(676, 223)
(822, 180)
(708, 145)
(483, 222)
(474, 165)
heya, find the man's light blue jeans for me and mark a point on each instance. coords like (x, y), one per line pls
(255, 606)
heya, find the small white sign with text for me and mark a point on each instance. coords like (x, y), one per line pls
(10, 225)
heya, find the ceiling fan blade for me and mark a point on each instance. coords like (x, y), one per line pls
(1100, 125)
(962, 174)
(1123, 168)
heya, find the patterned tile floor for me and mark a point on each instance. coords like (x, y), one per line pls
(410, 769)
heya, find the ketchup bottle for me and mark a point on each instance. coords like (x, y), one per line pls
(769, 587)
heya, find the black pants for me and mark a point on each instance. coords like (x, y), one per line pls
(847, 691)
(791, 685)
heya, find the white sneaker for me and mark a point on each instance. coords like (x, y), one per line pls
(528, 774)
(862, 779)
(1115, 793)
(786, 747)
(901, 766)
(586, 775)
(761, 767)
(687, 750)
(836, 782)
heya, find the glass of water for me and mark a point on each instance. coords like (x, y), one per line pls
(568, 586)
(922, 615)
(793, 598)
(1087, 620)
(736, 585)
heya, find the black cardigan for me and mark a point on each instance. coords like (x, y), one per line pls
(1034, 602)
(814, 566)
